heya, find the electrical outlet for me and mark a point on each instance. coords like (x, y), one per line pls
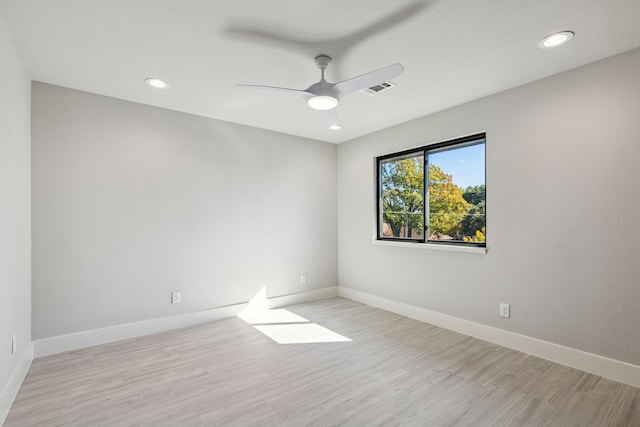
(303, 279)
(14, 344)
(175, 297)
(504, 310)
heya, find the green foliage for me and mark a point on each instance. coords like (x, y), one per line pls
(403, 195)
(447, 207)
(474, 195)
(451, 211)
(475, 220)
(479, 236)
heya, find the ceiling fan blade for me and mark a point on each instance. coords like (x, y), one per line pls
(370, 79)
(306, 95)
(331, 118)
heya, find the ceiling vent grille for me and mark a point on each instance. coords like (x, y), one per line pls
(374, 90)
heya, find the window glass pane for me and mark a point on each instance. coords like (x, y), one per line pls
(402, 197)
(457, 193)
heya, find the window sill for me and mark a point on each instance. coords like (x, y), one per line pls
(432, 246)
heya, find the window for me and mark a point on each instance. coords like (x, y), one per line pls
(447, 206)
(402, 206)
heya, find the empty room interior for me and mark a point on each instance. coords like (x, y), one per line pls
(320, 213)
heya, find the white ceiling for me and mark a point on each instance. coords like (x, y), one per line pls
(453, 51)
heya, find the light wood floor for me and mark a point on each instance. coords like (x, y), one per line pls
(394, 372)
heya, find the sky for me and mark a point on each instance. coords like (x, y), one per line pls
(465, 164)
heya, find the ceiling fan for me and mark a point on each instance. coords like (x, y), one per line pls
(325, 96)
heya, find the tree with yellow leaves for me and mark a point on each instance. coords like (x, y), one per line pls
(447, 207)
(403, 199)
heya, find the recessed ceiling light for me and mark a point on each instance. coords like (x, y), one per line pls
(335, 127)
(555, 39)
(322, 102)
(157, 83)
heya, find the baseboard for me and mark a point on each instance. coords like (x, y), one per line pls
(609, 368)
(10, 391)
(69, 342)
(303, 297)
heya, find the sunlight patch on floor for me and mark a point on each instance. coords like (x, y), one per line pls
(300, 333)
(283, 326)
(271, 316)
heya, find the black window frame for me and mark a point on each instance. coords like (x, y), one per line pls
(478, 138)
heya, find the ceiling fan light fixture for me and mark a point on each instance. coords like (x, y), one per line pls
(322, 102)
(555, 39)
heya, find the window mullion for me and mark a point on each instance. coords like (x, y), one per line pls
(426, 196)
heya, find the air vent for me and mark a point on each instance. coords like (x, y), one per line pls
(374, 90)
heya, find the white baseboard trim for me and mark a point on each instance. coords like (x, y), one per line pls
(303, 297)
(10, 391)
(589, 362)
(75, 341)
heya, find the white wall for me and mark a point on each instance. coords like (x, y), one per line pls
(15, 207)
(132, 202)
(563, 213)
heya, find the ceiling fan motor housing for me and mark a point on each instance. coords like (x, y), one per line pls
(323, 61)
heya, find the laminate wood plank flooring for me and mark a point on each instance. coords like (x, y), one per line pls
(395, 371)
